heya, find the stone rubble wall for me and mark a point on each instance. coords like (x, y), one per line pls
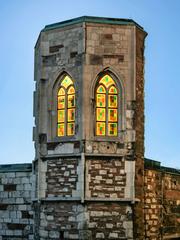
(62, 177)
(110, 221)
(162, 203)
(139, 143)
(73, 220)
(105, 178)
(16, 213)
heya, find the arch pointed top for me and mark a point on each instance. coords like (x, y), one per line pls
(66, 82)
(107, 80)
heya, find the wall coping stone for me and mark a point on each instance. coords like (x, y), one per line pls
(90, 19)
(24, 167)
(156, 165)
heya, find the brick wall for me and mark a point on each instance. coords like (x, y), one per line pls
(61, 177)
(110, 221)
(73, 220)
(105, 178)
(16, 214)
(162, 202)
(60, 220)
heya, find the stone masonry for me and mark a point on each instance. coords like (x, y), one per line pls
(162, 201)
(86, 186)
(16, 213)
(85, 172)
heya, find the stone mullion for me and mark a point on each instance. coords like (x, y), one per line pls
(65, 112)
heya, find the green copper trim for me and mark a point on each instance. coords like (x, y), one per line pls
(24, 167)
(89, 19)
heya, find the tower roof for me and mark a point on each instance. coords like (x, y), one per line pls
(90, 19)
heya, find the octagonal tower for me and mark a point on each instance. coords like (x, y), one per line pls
(89, 129)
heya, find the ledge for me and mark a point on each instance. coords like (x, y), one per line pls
(66, 155)
(132, 200)
(72, 199)
(104, 155)
(61, 155)
(57, 199)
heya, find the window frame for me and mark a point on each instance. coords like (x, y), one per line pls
(66, 108)
(120, 106)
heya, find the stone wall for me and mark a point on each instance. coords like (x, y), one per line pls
(84, 168)
(110, 220)
(105, 178)
(139, 143)
(73, 220)
(62, 177)
(162, 202)
(16, 214)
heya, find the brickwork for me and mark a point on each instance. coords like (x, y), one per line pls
(162, 203)
(139, 144)
(106, 178)
(95, 221)
(61, 177)
(153, 201)
(16, 213)
(60, 220)
(110, 221)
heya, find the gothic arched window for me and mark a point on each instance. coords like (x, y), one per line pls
(66, 108)
(106, 107)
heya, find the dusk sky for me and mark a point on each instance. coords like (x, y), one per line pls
(21, 22)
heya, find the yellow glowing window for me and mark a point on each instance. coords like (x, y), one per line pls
(101, 114)
(100, 128)
(61, 92)
(101, 89)
(106, 107)
(112, 101)
(60, 129)
(112, 115)
(66, 82)
(113, 90)
(61, 102)
(66, 108)
(71, 115)
(112, 129)
(70, 129)
(101, 100)
(61, 116)
(107, 81)
(71, 101)
(71, 90)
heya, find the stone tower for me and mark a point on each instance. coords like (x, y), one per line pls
(89, 130)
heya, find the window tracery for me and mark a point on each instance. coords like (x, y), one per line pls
(106, 107)
(66, 108)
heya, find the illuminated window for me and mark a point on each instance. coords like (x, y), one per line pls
(106, 107)
(66, 108)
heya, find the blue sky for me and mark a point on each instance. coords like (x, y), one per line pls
(20, 24)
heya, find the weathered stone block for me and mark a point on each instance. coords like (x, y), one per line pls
(54, 234)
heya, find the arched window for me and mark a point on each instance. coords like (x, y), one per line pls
(106, 107)
(66, 108)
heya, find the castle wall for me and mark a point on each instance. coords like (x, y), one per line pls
(16, 213)
(162, 202)
(72, 220)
